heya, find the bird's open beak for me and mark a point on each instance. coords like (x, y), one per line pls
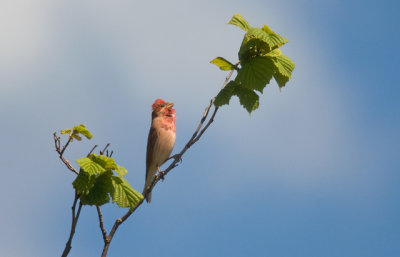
(169, 105)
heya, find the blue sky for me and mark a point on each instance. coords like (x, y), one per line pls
(313, 172)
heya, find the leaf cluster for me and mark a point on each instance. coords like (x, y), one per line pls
(260, 60)
(101, 178)
(76, 131)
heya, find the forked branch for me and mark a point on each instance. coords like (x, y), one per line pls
(107, 238)
(60, 151)
(195, 137)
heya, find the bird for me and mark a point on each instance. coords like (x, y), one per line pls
(160, 142)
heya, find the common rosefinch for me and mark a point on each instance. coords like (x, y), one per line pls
(160, 142)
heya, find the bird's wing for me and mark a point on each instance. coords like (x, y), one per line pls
(151, 142)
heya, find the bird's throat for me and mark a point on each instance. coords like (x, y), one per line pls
(165, 122)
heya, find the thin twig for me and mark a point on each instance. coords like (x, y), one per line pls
(105, 148)
(66, 145)
(103, 230)
(75, 214)
(91, 151)
(206, 126)
(203, 118)
(75, 217)
(195, 137)
(61, 152)
(117, 223)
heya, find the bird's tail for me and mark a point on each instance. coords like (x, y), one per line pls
(147, 193)
(150, 173)
(148, 197)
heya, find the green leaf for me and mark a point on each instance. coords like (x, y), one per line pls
(284, 69)
(121, 171)
(267, 29)
(90, 166)
(65, 131)
(99, 193)
(272, 39)
(280, 80)
(256, 73)
(123, 194)
(274, 53)
(239, 21)
(77, 137)
(83, 182)
(81, 129)
(248, 98)
(260, 60)
(225, 94)
(284, 65)
(250, 48)
(104, 161)
(223, 64)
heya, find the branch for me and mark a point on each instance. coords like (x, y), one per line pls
(57, 143)
(177, 158)
(195, 137)
(91, 151)
(117, 223)
(105, 148)
(75, 214)
(100, 215)
(103, 230)
(66, 145)
(75, 217)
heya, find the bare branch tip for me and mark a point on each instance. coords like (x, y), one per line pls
(105, 148)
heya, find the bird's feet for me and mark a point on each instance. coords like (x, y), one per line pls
(161, 173)
(177, 157)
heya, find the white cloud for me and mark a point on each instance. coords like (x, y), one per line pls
(24, 33)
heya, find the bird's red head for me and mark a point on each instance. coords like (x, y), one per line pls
(159, 104)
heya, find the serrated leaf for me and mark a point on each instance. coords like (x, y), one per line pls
(121, 171)
(225, 94)
(256, 73)
(274, 53)
(280, 80)
(239, 21)
(90, 166)
(81, 129)
(83, 182)
(103, 161)
(99, 193)
(123, 194)
(248, 98)
(284, 65)
(260, 59)
(273, 40)
(223, 64)
(65, 131)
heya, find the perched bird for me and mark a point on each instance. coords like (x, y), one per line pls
(160, 142)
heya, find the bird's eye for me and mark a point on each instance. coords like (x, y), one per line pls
(163, 105)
